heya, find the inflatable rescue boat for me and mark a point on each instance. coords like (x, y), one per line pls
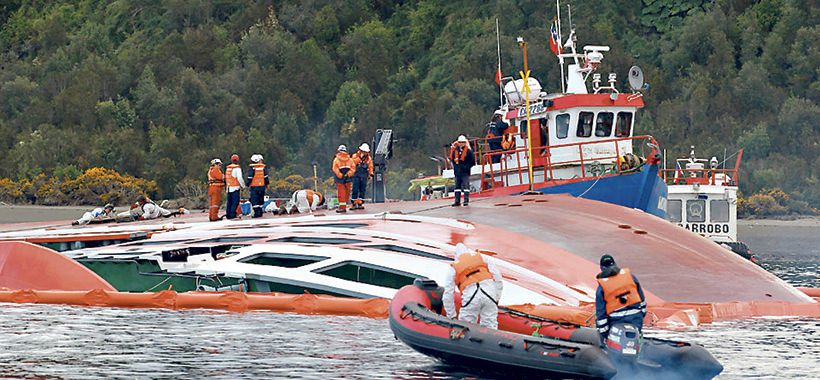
(527, 344)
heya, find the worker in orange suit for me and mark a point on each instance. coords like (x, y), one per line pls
(216, 186)
(364, 170)
(343, 169)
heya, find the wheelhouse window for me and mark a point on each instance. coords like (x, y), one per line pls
(673, 210)
(584, 124)
(623, 128)
(696, 211)
(719, 211)
(603, 127)
(562, 125)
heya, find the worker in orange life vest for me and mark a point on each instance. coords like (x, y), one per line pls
(364, 170)
(463, 160)
(343, 169)
(479, 281)
(235, 182)
(619, 298)
(257, 181)
(216, 185)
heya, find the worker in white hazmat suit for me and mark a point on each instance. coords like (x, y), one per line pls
(479, 281)
(98, 213)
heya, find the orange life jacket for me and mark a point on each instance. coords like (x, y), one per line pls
(470, 269)
(342, 164)
(229, 178)
(258, 174)
(363, 162)
(215, 177)
(620, 290)
(457, 155)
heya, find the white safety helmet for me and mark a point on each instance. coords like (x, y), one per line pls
(364, 147)
(498, 112)
(462, 138)
(256, 158)
(216, 161)
(341, 148)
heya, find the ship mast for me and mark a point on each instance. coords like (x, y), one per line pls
(525, 75)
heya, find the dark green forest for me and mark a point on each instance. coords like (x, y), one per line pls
(155, 89)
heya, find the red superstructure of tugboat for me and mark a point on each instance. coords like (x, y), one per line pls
(579, 141)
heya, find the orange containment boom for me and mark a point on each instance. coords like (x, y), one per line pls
(231, 301)
(28, 266)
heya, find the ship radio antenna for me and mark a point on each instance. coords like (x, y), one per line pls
(560, 43)
(498, 73)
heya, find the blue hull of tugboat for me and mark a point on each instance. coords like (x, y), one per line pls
(643, 190)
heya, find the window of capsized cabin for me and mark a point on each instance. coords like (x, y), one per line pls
(719, 211)
(673, 210)
(624, 126)
(696, 211)
(603, 127)
(584, 124)
(562, 125)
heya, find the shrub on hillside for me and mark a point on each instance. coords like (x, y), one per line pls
(101, 185)
(10, 191)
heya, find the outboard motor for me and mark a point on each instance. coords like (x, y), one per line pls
(623, 342)
(433, 292)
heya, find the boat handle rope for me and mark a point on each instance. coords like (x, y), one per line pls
(517, 313)
(416, 316)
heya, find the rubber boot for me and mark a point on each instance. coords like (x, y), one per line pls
(466, 198)
(458, 199)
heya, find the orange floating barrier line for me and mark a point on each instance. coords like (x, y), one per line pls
(231, 301)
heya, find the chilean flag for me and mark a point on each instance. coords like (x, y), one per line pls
(555, 41)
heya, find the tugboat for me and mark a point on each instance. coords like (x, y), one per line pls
(703, 199)
(580, 141)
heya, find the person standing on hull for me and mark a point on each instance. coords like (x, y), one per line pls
(495, 134)
(619, 298)
(463, 160)
(479, 282)
(258, 180)
(216, 185)
(235, 182)
(343, 168)
(364, 170)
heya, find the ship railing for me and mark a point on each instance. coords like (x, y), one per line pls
(705, 176)
(592, 165)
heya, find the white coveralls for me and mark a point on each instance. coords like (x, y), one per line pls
(301, 202)
(481, 304)
(96, 213)
(153, 211)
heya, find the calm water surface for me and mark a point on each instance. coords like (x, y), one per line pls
(56, 342)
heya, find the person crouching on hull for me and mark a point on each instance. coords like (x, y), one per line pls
(463, 160)
(216, 185)
(364, 170)
(480, 284)
(619, 298)
(303, 201)
(343, 169)
(258, 180)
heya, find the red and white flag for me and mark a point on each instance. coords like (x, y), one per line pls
(555, 40)
(498, 77)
